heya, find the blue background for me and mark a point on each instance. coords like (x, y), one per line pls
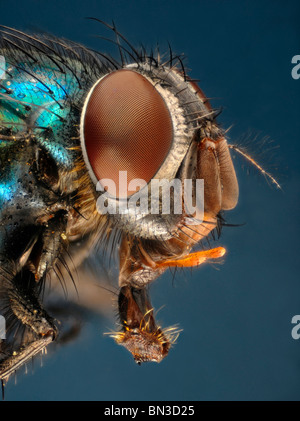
(236, 342)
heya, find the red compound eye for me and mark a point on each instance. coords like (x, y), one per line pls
(126, 127)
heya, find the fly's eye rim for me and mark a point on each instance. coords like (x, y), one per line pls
(167, 144)
(82, 139)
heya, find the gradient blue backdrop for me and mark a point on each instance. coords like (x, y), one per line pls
(236, 342)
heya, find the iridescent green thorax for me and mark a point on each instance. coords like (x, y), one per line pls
(43, 83)
(36, 100)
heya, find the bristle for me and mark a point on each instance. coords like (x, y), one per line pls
(255, 164)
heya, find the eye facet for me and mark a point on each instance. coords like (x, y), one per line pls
(126, 126)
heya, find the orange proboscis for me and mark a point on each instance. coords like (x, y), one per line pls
(194, 259)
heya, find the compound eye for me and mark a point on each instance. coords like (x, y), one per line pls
(126, 126)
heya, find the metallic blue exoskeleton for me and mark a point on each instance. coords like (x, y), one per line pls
(48, 91)
(42, 89)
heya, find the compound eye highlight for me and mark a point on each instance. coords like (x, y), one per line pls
(126, 126)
